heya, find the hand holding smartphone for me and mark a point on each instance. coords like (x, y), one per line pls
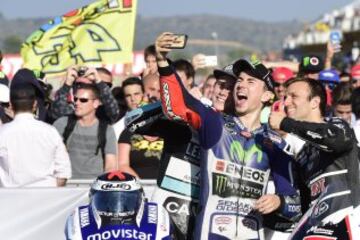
(179, 41)
(210, 61)
(201, 61)
(335, 40)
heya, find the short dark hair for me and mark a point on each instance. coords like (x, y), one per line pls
(118, 94)
(104, 70)
(355, 102)
(344, 74)
(185, 66)
(133, 81)
(342, 94)
(149, 51)
(316, 90)
(91, 87)
(210, 76)
(22, 97)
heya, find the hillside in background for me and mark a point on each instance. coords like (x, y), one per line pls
(259, 35)
(253, 35)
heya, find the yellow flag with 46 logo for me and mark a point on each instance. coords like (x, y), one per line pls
(102, 32)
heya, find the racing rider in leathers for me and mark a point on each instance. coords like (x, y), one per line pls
(237, 152)
(327, 157)
(178, 182)
(118, 210)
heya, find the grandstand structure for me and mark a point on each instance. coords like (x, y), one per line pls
(314, 36)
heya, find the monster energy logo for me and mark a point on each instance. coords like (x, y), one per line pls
(221, 183)
(238, 152)
(255, 62)
(249, 185)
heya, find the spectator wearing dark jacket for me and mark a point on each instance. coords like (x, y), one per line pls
(63, 105)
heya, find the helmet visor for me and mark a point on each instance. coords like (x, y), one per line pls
(117, 203)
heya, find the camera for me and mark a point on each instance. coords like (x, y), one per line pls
(81, 71)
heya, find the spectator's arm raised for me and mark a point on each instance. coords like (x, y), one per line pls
(71, 75)
(162, 44)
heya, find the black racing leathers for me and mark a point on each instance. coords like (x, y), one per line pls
(178, 181)
(328, 165)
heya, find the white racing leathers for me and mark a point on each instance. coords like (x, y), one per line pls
(235, 173)
(275, 226)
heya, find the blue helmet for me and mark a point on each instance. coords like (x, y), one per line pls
(116, 198)
(329, 77)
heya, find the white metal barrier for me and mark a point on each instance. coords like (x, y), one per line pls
(40, 213)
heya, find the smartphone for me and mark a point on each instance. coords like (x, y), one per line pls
(210, 61)
(82, 70)
(335, 40)
(179, 42)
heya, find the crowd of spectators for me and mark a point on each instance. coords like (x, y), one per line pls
(81, 132)
(135, 91)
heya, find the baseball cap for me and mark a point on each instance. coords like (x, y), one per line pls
(255, 69)
(25, 75)
(355, 71)
(329, 76)
(226, 73)
(282, 74)
(311, 64)
(4, 93)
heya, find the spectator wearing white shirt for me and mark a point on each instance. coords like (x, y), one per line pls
(32, 153)
(6, 114)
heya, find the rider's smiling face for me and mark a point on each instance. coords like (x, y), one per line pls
(220, 94)
(249, 94)
(297, 101)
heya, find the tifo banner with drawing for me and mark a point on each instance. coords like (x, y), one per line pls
(102, 32)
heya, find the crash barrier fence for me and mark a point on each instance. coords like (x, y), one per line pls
(40, 213)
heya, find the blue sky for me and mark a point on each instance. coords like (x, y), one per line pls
(264, 10)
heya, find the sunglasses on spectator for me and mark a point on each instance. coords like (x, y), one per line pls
(82, 100)
(276, 84)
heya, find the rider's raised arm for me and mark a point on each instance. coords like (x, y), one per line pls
(179, 104)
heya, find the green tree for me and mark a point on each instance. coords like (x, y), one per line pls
(12, 44)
